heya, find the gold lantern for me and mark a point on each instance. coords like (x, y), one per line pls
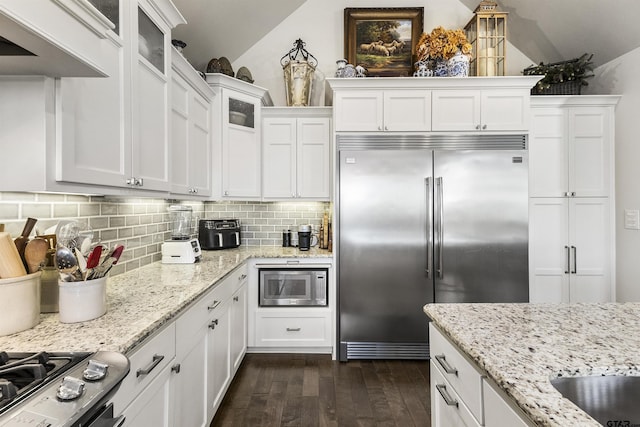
(487, 33)
(299, 66)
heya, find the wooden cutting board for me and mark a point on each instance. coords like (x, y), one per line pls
(10, 262)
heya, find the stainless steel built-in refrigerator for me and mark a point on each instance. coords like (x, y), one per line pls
(424, 219)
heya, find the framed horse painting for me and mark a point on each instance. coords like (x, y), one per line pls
(383, 40)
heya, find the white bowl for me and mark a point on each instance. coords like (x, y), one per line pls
(237, 118)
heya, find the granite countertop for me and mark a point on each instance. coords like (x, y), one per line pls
(520, 346)
(141, 301)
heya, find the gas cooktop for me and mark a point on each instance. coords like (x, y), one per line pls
(56, 388)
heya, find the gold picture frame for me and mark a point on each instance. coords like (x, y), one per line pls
(397, 31)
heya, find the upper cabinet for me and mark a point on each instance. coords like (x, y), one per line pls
(296, 153)
(389, 110)
(571, 146)
(191, 131)
(104, 135)
(57, 38)
(410, 104)
(237, 137)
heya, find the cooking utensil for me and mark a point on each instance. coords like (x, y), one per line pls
(67, 233)
(82, 261)
(10, 262)
(108, 263)
(35, 253)
(22, 240)
(66, 262)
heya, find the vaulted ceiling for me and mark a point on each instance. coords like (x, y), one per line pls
(543, 30)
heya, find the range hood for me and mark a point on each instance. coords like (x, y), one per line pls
(57, 38)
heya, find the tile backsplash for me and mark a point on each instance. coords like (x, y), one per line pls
(143, 224)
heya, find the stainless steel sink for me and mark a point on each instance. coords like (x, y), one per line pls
(607, 398)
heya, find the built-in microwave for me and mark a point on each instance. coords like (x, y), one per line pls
(293, 287)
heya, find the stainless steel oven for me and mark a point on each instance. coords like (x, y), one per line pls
(293, 287)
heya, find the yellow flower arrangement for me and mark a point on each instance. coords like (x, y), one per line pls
(442, 44)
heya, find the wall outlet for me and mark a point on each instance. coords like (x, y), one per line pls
(632, 219)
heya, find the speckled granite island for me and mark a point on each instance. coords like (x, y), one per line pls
(141, 301)
(520, 346)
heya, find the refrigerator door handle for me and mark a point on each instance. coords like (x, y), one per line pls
(439, 212)
(575, 260)
(568, 264)
(429, 227)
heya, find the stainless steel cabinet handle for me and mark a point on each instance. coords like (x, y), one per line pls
(236, 299)
(213, 324)
(157, 358)
(386, 128)
(379, 127)
(450, 401)
(566, 270)
(439, 238)
(293, 329)
(575, 260)
(484, 127)
(119, 422)
(226, 193)
(242, 277)
(214, 305)
(176, 368)
(567, 194)
(478, 127)
(429, 226)
(442, 360)
(573, 194)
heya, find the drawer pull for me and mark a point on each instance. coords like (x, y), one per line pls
(213, 324)
(442, 389)
(215, 304)
(176, 368)
(241, 278)
(293, 329)
(236, 299)
(445, 365)
(156, 360)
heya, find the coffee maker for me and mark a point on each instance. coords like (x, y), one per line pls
(182, 248)
(306, 238)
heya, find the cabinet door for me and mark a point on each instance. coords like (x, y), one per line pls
(199, 149)
(279, 162)
(314, 158)
(154, 405)
(505, 110)
(94, 143)
(150, 114)
(238, 327)
(589, 151)
(241, 157)
(548, 153)
(589, 234)
(407, 110)
(179, 135)
(497, 412)
(455, 110)
(189, 389)
(447, 408)
(549, 250)
(218, 358)
(358, 111)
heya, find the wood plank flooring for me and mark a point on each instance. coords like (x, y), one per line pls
(310, 390)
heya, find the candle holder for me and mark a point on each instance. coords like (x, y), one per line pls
(487, 33)
(299, 66)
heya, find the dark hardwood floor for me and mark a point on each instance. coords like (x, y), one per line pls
(312, 390)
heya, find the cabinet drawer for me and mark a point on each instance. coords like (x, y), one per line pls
(463, 377)
(448, 409)
(146, 363)
(236, 278)
(282, 329)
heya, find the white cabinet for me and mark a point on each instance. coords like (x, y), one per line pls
(571, 147)
(388, 110)
(62, 38)
(480, 110)
(296, 148)
(239, 325)
(571, 206)
(191, 116)
(461, 395)
(570, 249)
(293, 327)
(237, 157)
(408, 104)
(144, 396)
(102, 135)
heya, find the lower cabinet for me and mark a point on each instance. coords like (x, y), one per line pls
(293, 327)
(180, 376)
(461, 395)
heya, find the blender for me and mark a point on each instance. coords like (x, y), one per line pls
(183, 248)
